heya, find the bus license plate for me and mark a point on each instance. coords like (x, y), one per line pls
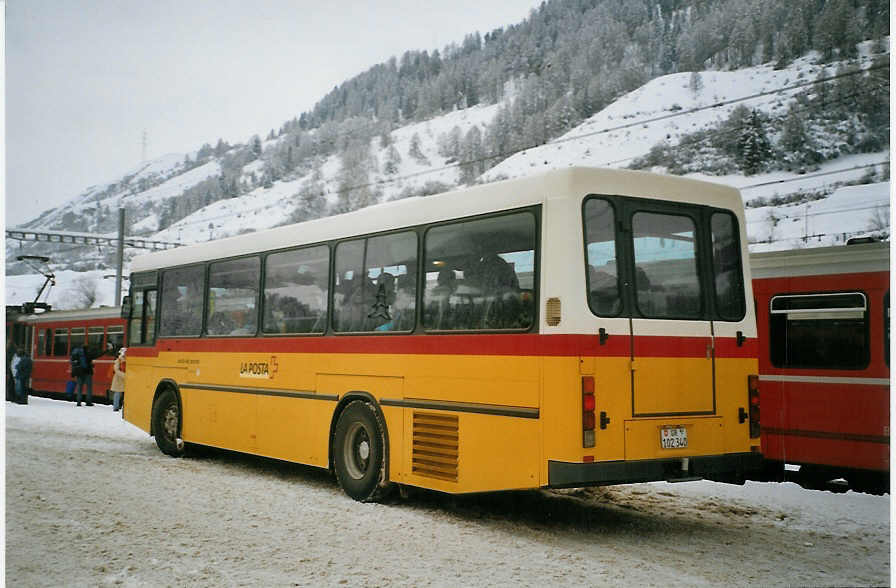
(673, 437)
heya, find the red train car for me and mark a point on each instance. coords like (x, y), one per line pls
(50, 338)
(823, 322)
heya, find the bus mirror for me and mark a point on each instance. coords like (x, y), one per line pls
(125, 307)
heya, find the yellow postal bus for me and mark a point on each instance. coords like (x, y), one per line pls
(575, 328)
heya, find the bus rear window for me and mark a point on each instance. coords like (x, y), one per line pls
(819, 331)
(667, 282)
(600, 248)
(727, 271)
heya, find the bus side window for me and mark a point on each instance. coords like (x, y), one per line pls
(233, 297)
(296, 284)
(141, 327)
(480, 274)
(149, 316)
(183, 292)
(376, 284)
(135, 328)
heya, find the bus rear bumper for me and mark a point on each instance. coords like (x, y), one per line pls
(733, 468)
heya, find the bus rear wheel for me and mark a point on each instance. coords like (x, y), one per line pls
(359, 452)
(166, 419)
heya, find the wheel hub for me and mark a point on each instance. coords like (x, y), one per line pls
(170, 422)
(357, 451)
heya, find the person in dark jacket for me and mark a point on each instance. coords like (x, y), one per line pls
(10, 381)
(22, 376)
(82, 370)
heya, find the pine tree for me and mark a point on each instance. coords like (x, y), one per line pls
(695, 83)
(471, 153)
(393, 159)
(797, 145)
(415, 151)
(754, 149)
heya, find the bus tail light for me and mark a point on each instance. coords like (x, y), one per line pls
(753, 388)
(589, 403)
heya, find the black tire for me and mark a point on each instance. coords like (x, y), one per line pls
(166, 421)
(359, 452)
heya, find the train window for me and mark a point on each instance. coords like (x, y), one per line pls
(600, 249)
(296, 284)
(115, 336)
(667, 284)
(76, 337)
(48, 342)
(887, 327)
(60, 343)
(182, 296)
(480, 274)
(726, 265)
(95, 338)
(233, 297)
(819, 331)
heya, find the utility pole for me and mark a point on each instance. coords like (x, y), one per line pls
(119, 256)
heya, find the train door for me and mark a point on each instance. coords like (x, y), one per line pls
(672, 338)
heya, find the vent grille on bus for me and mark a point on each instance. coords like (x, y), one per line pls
(435, 452)
(552, 312)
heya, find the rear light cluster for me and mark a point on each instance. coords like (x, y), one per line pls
(588, 405)
(753, 388)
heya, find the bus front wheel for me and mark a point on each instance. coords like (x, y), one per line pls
(166, 419)
(359, 452)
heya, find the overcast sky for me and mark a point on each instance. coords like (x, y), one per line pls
(86, 78)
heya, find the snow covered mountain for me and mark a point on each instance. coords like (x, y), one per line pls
(227, 190)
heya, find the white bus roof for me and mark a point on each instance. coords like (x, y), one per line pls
(573, 182)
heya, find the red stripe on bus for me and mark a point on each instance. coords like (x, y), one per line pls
(479, 344)
(727, 347)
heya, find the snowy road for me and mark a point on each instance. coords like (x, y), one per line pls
(90, 501)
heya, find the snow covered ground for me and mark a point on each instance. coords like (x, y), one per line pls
(90, 501)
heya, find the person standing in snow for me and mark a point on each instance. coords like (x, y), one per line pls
(22, 373)
(82, 370)
(117, 385)
(13, 369)
(10, 381)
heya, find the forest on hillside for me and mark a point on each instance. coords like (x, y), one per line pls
(568, 60)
